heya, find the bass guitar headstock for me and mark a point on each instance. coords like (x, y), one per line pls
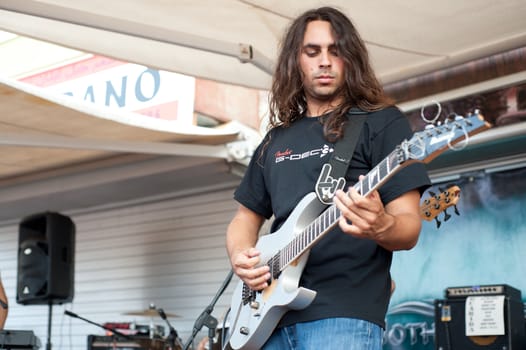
(437, 203)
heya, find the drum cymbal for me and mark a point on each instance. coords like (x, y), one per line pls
(148, 313)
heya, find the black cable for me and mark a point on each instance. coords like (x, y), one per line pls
(223, 333)
(206, 318)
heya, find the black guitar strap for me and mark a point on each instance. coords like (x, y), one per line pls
(333, 172)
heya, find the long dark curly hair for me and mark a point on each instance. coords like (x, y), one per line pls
(362, 89)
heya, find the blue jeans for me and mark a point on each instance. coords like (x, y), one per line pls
(330, 333)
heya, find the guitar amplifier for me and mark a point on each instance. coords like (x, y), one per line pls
(98, 342)
(492, 289)
(450, 320)
(14, 339)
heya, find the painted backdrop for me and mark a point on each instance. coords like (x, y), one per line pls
(485, 244)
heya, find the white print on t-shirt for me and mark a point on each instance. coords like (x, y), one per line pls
(326, 186)
(288, 154)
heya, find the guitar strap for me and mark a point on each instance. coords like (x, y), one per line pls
(333, 172)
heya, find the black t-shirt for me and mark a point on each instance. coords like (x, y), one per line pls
(350, 275)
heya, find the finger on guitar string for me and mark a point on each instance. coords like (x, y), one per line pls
(257, 278)
(359, 214)
(348, 205)
(246, 268)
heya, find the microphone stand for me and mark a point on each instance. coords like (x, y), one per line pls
(71, 314)
(173, 337)
(206, 318)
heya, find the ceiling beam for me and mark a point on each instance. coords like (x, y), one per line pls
(451, 78)
(159, 148)
(245, 52)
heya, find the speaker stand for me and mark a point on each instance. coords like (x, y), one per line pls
(50, 312)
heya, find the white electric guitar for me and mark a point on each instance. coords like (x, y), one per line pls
(254, 315)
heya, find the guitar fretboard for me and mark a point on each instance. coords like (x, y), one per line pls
(329, 218)
(423, 147)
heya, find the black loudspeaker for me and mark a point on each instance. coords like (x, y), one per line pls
(46, 249)
(450, 328)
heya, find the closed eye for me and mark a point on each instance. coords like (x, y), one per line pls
(333, 50)
(314, 50)
(311, 50)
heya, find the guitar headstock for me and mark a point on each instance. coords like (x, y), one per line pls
(438, 203)
(426, 145)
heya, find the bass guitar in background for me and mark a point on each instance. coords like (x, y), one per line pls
(431, 207)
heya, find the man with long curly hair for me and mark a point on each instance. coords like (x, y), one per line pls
(323, 70)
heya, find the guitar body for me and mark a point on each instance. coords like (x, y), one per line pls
(250, 326)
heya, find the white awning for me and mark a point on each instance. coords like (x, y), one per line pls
(211, 39)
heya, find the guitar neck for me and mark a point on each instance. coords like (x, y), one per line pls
(329, 218)
(424, 146)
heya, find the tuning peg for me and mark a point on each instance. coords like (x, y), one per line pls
(446, 215)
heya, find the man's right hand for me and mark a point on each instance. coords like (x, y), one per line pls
(245, 264)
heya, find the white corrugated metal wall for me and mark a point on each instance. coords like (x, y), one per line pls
(169, 252)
